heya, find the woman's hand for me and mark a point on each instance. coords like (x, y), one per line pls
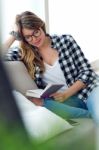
(72, 90)
(60, 96)
(36, 101)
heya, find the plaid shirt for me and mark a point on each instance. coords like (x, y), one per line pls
(72, 62)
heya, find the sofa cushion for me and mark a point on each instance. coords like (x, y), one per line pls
(19, 76)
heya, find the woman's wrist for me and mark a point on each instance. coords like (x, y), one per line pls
(16, 35)
(69, 92)
(8, 44)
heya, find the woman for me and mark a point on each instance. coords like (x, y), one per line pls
(55, 59)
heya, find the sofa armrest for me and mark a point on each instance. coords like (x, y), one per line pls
(19, 76)
(95, 65)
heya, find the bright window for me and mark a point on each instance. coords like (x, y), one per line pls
(80, 19)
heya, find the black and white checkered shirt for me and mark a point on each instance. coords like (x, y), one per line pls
(72, 62)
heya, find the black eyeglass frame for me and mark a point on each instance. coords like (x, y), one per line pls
(36, 33)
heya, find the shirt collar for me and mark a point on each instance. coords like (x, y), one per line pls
(53, 40)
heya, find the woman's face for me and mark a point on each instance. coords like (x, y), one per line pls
(35, 37)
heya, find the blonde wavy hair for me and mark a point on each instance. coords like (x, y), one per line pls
(30, 54)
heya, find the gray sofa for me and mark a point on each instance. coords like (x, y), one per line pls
(82, 137)
(19, 77)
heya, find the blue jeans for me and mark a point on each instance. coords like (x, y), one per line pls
(93, 104)
(71, 108)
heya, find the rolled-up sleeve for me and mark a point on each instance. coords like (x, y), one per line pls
(14, 53)
(85, 72)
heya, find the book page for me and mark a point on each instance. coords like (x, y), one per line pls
(36, 91)
(44, 93)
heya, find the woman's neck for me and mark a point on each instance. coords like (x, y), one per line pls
(46, 44)
(48, 54)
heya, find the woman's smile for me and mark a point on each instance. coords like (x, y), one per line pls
(37, 43)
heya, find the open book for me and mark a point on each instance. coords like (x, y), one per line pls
(44, 93)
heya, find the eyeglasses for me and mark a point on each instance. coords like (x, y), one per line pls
(36, 33)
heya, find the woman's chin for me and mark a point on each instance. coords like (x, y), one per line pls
(38, 44)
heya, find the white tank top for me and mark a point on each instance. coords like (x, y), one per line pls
(54, 74)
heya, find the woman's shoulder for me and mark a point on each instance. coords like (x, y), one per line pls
(62, 36)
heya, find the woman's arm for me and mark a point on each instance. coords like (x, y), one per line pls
(84, 69)
(8, 44)
(72, 90)
(13, 36)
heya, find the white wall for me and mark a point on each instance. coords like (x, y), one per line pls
(12, 7)
(80, 18)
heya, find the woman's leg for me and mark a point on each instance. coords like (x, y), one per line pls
(75, 102)
(93, 104)
(65, 111)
